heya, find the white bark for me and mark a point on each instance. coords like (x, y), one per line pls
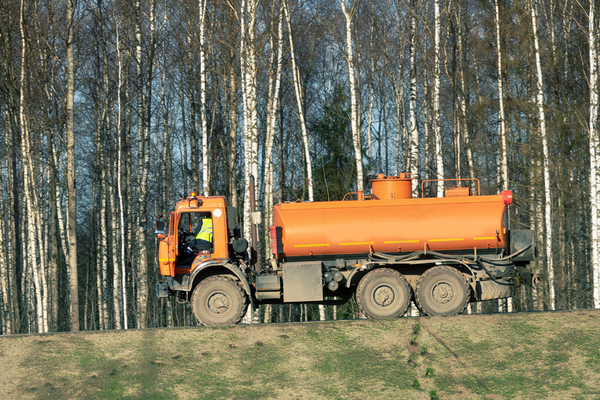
(205, 158)
(463, 106)
(248, 65)
(413, 165)
(371, 84)
(546, 163)
(119, 187)
(103, 257)
(300, 101)
(501, 119)
(594, 143)
(401, 132)
(273, 105)
(248, 72)
(5, 318)
(31, 239)
(353, 95)
(72, 192)
(114, 243)
(436, 101)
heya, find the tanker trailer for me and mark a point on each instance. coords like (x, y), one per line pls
(389, 248)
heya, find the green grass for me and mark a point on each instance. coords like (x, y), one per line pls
(550, 355)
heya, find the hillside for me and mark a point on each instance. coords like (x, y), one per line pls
(500, 356)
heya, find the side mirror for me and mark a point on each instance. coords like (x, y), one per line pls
(160, 227)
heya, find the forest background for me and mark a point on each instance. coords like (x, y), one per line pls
(111, 110)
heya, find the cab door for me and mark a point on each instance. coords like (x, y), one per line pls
(166, 250)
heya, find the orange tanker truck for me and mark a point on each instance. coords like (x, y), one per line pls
(385, 249)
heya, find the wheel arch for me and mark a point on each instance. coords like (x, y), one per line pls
(207, 270)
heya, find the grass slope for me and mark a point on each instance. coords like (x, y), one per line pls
(520, 356)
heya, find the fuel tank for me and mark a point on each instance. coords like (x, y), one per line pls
(390, 221)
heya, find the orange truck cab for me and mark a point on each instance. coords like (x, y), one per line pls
(185, 260)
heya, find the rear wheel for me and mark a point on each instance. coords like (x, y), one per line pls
(219, 300)
(442, 291)
(383, 293)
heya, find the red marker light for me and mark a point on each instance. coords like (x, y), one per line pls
(507, 197)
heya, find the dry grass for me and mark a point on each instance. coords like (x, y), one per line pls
(520, 356)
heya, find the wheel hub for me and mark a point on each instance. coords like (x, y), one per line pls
(383, 296)
(218, 303)
(443, 293)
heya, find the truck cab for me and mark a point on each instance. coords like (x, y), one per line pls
(185, 260)
(183, 225)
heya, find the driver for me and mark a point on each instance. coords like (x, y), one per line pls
(203, 240)
(204, 230)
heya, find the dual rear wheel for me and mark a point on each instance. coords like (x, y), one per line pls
(385, 293)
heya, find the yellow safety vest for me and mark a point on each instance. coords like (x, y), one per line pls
(206, 232)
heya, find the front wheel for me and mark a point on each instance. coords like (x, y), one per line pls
(219, 300)
(442, 291)
(383, 293)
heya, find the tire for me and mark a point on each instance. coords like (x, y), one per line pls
(219, 300)
(383, 293)
(442, 291)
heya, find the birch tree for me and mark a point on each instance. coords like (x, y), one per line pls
(546, 155)
(501, 119)
(502, 133)
(437, 133)
(354, 121)
(413, 165)
(248, 72)
(123, 294)
(72, 191)
(300, 102)
(205, 158)
(594, 156)
(273, 106)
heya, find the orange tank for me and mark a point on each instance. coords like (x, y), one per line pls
(391, 222)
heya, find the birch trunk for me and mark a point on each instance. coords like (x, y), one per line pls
(437, 134)
(413, 165)
(248, 60)
(205, 158)
(144, 97)
(119, 184)
(546, 163)
(233, 123)
(502, 133)
(102, 254)
(353, 95)
(114, 244)
(300, 102)
(248, 66)
(502, 123)
(466, 137)
(594, 143)
(5, 318)
(273, 106)
(30, 240)
(72, 191)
